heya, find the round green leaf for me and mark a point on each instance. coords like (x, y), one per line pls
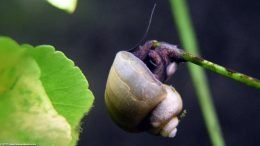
(43, 96)
(66, 5)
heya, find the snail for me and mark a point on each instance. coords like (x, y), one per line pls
(135, 95)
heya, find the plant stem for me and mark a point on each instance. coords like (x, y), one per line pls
(182, 19)
(222, 70)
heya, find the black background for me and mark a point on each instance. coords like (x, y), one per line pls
(228, 32)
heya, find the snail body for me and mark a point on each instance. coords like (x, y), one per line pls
(137, 101)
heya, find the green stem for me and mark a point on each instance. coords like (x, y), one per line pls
(250, 81)
(182, 19)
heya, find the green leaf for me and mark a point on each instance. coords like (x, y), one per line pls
(43, 96)
(66, 5)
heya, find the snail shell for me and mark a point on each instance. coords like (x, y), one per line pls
(137, 101)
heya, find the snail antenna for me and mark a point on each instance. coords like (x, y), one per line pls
(147, 29)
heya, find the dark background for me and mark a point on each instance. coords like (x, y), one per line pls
(228, 32)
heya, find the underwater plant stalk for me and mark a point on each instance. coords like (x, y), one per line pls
(182, 19)
(250, 81)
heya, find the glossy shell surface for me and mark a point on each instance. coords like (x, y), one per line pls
(136, 100)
